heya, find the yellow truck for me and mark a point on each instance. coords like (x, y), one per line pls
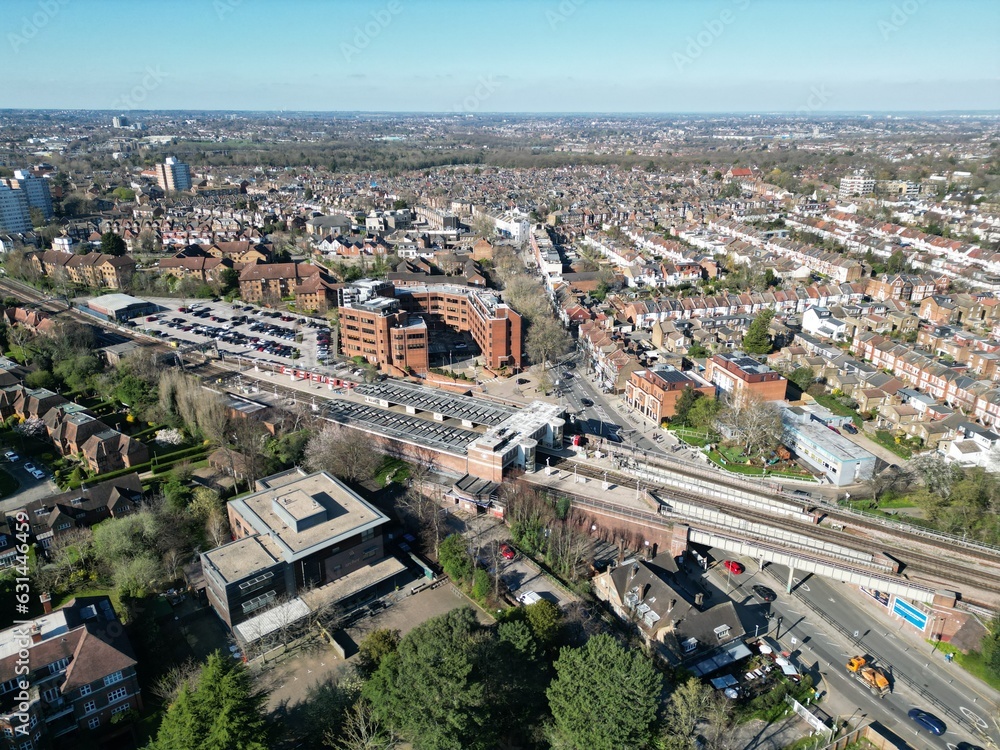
(868, 675)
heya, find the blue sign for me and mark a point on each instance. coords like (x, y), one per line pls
(908, 612)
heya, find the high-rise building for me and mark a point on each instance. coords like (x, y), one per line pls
(119, 122)
(856, 184)
(35, 188)
(173, 175)
(14, 216)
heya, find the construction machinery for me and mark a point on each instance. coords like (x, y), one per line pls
(869, 675)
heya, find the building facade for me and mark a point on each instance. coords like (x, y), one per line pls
(14, 216)
(173, 175)
(36, 190)
(654, 392)
(740, 376)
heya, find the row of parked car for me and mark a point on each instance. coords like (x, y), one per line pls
(35, 471)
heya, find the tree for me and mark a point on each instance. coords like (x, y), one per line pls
(757, 339)
(362, 730)
(222, 712)
(682, 407)
(455, 559)
(547, 340)
(751, 422)
(890, 480)
(604, 696)
(138, 576)
(545, 620)
(112, 244)
(802, 377)
(375, 646)
(683, 713)
(338, 451)
(702, 415)
(697, 351)
(229, 280)
(434, 689)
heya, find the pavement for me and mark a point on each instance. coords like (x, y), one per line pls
(30, 489)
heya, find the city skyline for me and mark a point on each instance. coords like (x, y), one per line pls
(574, 56)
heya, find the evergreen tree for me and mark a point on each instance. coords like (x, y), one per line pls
(604, 696)
(682, 407)
(757, 339)
(222, 713)
(112, 244)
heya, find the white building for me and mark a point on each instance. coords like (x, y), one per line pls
(820, 322)
(857, 184)
(173, 175)
(35, 188)
(14, 216)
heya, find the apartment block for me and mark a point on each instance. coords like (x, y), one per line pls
(655, 392)
(740, 376)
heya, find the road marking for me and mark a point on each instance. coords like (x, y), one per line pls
(974, 717)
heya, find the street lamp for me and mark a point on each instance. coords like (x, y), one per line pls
(777, 630)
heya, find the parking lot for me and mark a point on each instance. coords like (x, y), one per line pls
(242, 330)
(33, 477)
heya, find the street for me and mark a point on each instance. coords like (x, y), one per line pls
(920, 676)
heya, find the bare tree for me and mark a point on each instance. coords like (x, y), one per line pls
(547, 340)
(173, 559)
(342, 452)
(217, 528)
(169, 684)
(362, 730)
(752, 422)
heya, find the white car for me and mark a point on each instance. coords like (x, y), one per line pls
(38, 474)
(11, 456)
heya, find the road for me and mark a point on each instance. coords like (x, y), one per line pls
(912, 664)
(601, 418)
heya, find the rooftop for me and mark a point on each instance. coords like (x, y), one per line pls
(237, 560)
(304, 513)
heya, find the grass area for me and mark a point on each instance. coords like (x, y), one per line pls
(971, 662)
(63, 598)
(693, 437)
(888, 441)
(830, 402)
(396, 468)
(741, 468)
(904, 501)
(8, 485)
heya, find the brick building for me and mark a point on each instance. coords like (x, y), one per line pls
(738, 375)
(82, 674)
(395, 332)
(654, 392)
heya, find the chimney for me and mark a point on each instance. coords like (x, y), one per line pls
(46, 600)
(699, 599)
(36, 634)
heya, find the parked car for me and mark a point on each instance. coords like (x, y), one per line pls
(38, 474)
(734, 567)
(848, 427)
(507, 551)
(765, 594)
(586, 402)
(11, 456)
(30, 467)
(927, 721)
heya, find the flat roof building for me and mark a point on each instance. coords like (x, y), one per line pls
(824, 450)
(655, 392)
(120, 307)
(297, 532)
(740, 376)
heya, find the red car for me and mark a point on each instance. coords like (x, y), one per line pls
(734, 567)
(507, 552)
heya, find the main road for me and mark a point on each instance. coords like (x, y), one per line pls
(825, 624)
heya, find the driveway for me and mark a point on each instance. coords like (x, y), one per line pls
(872, 447)
(30, 488)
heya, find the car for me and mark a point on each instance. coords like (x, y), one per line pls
(927, 721)
(30, 467)
(614, 437)
(461, 345)
(38, 474)
(11, 456)
(967, 746)
(507, 551)
(567, 374)
(586, 402)
(733, 567)
(570, 365)
(765, 594)
(831, 427)
(850, 429)
(522, 381)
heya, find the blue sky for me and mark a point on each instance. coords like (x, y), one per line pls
(510, 56)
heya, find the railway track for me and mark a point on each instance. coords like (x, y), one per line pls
(931, 569)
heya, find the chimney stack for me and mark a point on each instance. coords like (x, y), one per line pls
(46, 600)
(699, 599)
(36, 634)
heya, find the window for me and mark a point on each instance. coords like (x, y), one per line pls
(121, 709)
(89, 707)
(117, 694)
(84, 690)
(369, 553)
(51, 695)
(58, 666)
(367, 534)
(111, 679)
(94, 723)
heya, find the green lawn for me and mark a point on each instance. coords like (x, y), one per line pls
(971, 662)
(62, 599)
(696, 438)
(8, 485)
(738, 467)
(830, 402)
(397, 468)
(887, 441)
